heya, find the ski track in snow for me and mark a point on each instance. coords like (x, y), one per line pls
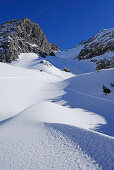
(67, 88)
(90, 95)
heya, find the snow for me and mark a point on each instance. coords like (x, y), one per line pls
(51, 119)
(38, 147)
(106, 55)
(28, 96)
(70, 53)
(86, 91)
(32, 61)
(76, 66)
(33, 45)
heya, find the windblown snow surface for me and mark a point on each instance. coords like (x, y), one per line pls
(50, 119)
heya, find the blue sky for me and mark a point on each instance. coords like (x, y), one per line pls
(65, 22)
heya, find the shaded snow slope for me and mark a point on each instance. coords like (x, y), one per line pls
(78, 66)
(32, 89)
(88, 55)
(30, 97)
(85, 92)
(75, 66)
(70, 53)
(67, 59)
(97, 146)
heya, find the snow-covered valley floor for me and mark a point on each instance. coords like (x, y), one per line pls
(51, 119)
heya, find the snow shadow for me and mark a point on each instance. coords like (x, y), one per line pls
(6, 120)
(88, 140)
(101, 107)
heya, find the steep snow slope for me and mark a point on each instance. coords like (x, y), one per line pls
(76, 66)
(61, 60)
(95, 53)
(70, 53)
(30, 97)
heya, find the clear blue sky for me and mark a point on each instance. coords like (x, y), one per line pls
(65, 22)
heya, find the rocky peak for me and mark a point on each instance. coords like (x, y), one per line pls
(22, 36)
(99, 44)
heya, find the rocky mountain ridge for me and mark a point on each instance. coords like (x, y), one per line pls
(23, 36)
(101, 43)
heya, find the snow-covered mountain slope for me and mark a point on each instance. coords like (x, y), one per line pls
(70, 53)
(48, 117)
(32, 85)
(87, 88)
(35, 62)
(76, 66)
(95, 53)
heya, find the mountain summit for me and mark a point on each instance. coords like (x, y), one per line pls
(23, 36)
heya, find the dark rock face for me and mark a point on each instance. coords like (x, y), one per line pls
(66, 69)
(98, 45)
(55, 47)
(105, 63)
(22, 36)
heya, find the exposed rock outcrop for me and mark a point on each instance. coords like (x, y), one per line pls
(22, 36)
(99, 44)
(55, 48)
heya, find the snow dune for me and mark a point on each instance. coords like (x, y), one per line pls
(48, 119)
(28, 144)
